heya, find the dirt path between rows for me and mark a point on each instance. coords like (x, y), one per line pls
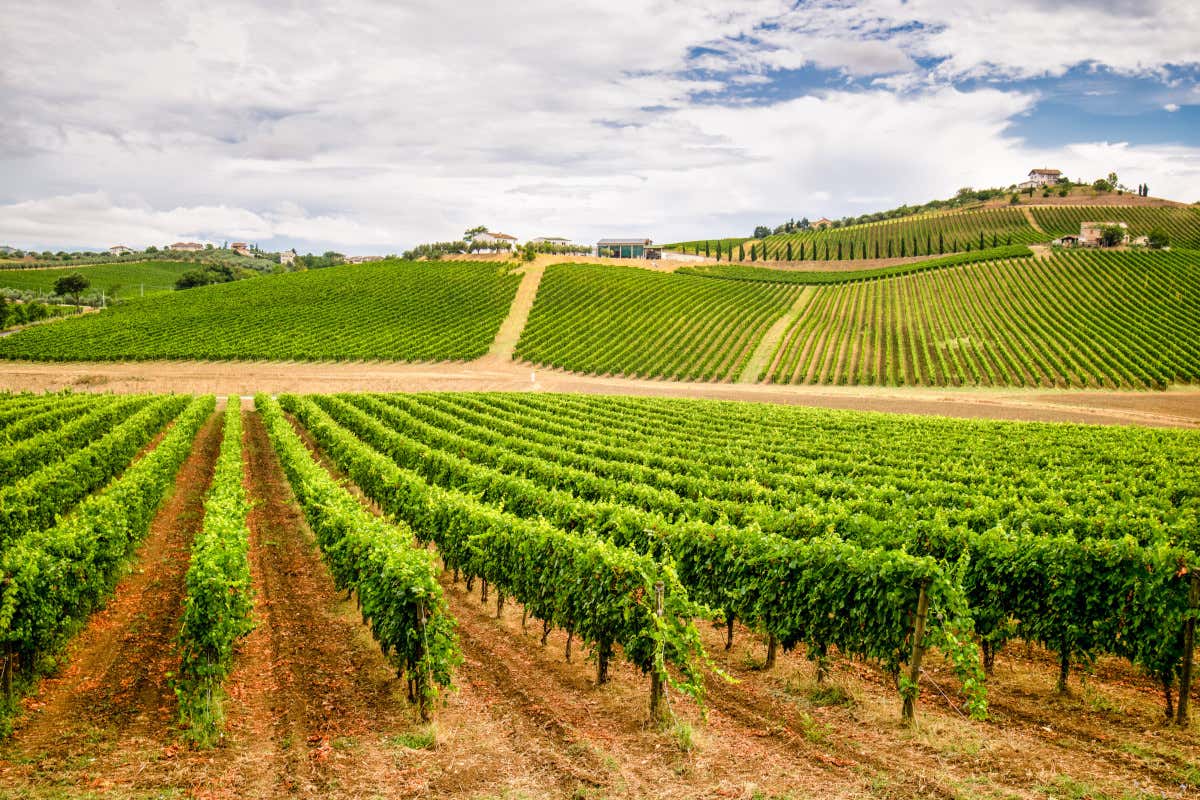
(1176, 407)
(502, 348)
(766, 347)
(108, 717)
(1032, 219)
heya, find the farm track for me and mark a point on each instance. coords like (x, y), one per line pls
(1177, 407)
(112, 708)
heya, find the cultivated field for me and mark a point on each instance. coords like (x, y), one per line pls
(619, 320)
(1082, 319)
(387, 310)
(126, 280)
(793, 548)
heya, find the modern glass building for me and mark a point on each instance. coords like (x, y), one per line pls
(627, 248)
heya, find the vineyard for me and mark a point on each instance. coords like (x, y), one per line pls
(926, 235)
(880, 545)
(1181, 224)
(132, 279)
(773, 516)
(1075, 319)
(634, 322)
(385, 310)
(740, 272)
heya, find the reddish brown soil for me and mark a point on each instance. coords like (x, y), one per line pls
(1175, 407)
(111, 706)
(315, 711)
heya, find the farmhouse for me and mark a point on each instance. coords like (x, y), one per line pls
(186, 246)
(362, 259)
(494, 239)
(120, 250)
(1091, 235)
(823, 222)
(1041, 177)
(288, 257)
(628, 248)
(241, 248)
(558, 240)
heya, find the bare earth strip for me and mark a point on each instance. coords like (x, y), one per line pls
(766, 348)
(1032, 220)
(1177, 407)
(501, 351)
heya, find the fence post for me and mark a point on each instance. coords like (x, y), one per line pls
(918, 652)
(1189, 644)
(656, 685)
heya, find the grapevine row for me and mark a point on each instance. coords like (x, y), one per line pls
(216, 612)
(769, 582)
(51, 579)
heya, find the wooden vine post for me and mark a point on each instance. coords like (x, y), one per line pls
(1189, 645)
(910, 690)
(657, 707)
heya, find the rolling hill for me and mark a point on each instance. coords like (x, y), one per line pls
(385, 310)
(129, 279)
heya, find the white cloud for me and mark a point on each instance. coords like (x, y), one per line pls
(372, 125)
(1171, 107)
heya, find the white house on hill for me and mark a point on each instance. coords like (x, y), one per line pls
(489, 238)
(120, 250)
(1041, 177)
(558, 240)
(187, 246)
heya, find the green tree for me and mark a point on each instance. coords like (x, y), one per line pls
(1112, 235)
(469, 232)
(72, 285)
(789, 251)
(1015, 199)
(5, 312)
(761, 232)
(1102, 185)
(1159, 239)
(741, 252)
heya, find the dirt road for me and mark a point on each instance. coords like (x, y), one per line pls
(1176, 407)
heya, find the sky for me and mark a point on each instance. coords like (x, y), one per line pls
(367, 127)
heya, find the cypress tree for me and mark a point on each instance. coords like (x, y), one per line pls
(753, 253)
(941, 243)
(981, 245)
(889, 248)
(877, 248)
(741, 252)
(789, 251)
(706, 249)
(995, 239)
(902, 247)
(1009, 239)
(718, 250)
(826, 249)
(928, 244)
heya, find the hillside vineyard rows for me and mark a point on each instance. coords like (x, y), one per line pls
(131, 279)
(1182, 225)
(1082, 319)
(625, 522)
(950, 232)
(388, 310)
(623, 320)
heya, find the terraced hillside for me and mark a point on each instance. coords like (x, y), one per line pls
(926, 234)
(386, 310)
(1119, 319)
(131, 279)
(1181, 223)
(629, 321)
